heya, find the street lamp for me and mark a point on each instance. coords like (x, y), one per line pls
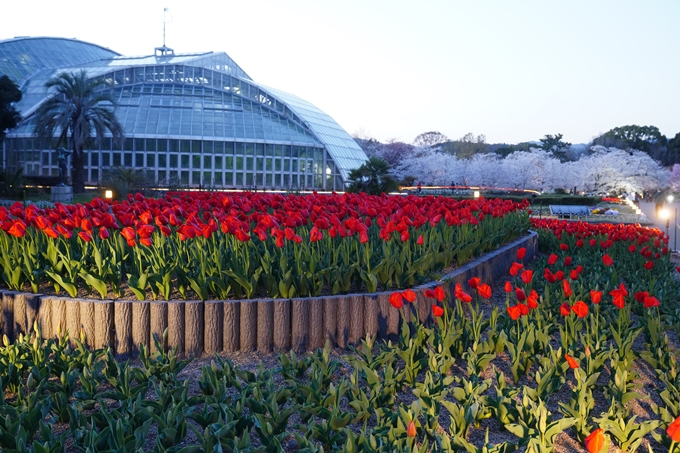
(108, 194)
(475, 194)
(670, 198)
(665, 214)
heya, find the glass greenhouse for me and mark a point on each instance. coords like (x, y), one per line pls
(190, 120)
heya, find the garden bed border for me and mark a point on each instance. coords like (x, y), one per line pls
(196, 328)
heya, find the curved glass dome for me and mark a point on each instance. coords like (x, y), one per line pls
(23, 56)
(199, 119)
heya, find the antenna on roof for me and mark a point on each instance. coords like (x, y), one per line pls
(164, 51)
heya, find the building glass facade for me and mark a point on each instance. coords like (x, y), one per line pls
(195, 120)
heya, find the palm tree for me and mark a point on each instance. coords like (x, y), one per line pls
(372, 177)
(81, 111)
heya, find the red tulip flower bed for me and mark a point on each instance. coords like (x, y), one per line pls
(554, 362)
(239, 245)
(570, 321)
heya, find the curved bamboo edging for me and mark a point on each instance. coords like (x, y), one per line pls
(196, 328)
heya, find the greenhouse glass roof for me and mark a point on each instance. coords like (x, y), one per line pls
(204, 95)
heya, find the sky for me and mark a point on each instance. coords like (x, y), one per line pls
(513, 70)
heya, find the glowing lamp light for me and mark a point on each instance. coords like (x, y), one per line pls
(664, 214)
(670, 198)
(475, 194)
(108, 194)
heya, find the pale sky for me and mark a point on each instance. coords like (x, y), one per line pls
(513, 70)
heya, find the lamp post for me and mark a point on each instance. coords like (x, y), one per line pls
(664, 214)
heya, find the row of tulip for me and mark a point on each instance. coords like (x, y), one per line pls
(558, 329)
(602, 287)
(239, 245)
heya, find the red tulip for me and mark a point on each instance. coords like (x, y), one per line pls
(552, 259)
(573, 274)
(484, 291)
(508, 287)
(567, 261)
(409, 296)
(532, 300)
(242, 236)
(618, 298)
(437, 310)
(411, 429)
(520, 294)
(18, 229)
(607, 260)
(128, 233)
(579, 243)
(564, 246)
(566, 287)
(580, 308)
(104, 233)
(420, 240)
(473, 282)
(573, 364)
(396, 300)
(439, 293)
(515, 312)
(565, 309)
(51, 232)
(649, 265)
(673, 430)
(527, 276)
(640, 296)
(521, 252)
(595, 296)
(146, 242)
(595, 441)
(651, 301)
(86, 225)
(145, 231)
(515, 268)
(85, 236)
(42, 222)
(523, 309)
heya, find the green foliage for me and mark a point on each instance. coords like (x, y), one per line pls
(554, 144)
(9, 95)
(12, 182)
(372, 178)
(123, 181)
(642, 138)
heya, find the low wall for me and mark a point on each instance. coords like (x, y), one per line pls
(197, 328)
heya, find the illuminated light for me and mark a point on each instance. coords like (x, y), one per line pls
(108, 194)
(670, 198)
(475, 194)
(664, 214)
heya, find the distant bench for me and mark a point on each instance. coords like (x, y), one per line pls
(571, 211)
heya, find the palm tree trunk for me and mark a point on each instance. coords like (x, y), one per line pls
(78, 172)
